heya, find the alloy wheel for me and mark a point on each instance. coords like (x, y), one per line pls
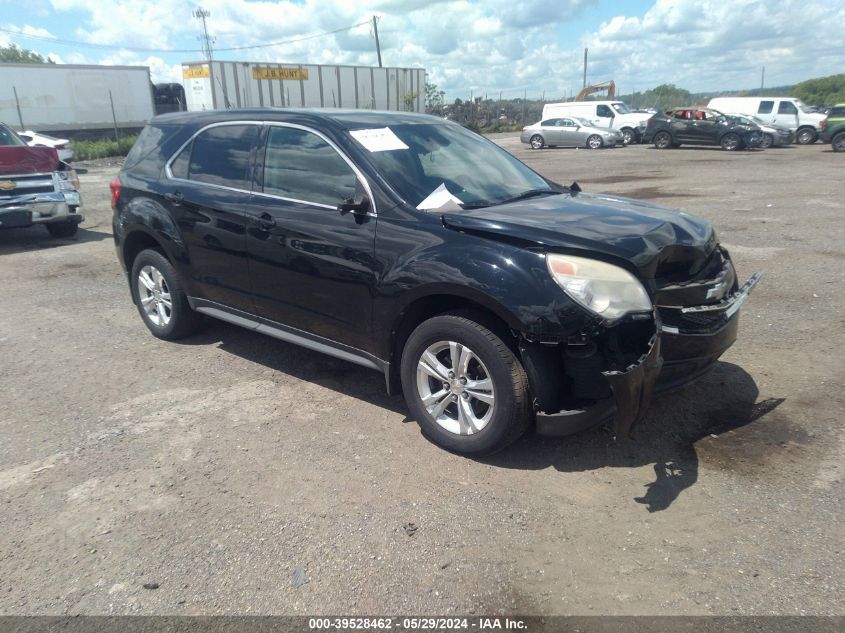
(154, 295)
(537, 142)
(455, 387)
(594, 142)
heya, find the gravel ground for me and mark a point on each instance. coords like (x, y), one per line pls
(233, 473)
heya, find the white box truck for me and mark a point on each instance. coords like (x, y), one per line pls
(787, 112)
(71, 97)
(613, 114)
(219, 85)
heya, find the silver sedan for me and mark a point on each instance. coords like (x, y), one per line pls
(569, 132)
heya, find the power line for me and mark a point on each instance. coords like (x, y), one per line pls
(111, 47)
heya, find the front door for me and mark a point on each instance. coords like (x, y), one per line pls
(787, 115)
(704, 128)
(207, 190)
(311, 267)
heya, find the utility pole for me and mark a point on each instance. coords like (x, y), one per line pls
(206, 39)
(378, 46)
(762, 78)
(585, 68)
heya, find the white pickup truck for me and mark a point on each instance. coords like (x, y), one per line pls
(36, 187)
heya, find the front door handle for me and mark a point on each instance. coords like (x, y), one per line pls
(265, 221)
(174, 198)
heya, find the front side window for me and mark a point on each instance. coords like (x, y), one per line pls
(766, 107)
(302, 166)
(787, 107)
(7, 137)
(473, 169)
(604, 111)
(221, 156)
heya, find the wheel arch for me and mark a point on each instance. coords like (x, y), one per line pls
(489, 312)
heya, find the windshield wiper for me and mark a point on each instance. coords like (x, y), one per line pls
(531, 193)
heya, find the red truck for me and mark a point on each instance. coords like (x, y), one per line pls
(36, 187)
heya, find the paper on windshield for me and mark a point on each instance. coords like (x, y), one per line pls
(440, 200)
(378, 140)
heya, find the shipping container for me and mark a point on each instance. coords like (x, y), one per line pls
(219, 85)
(71, 97)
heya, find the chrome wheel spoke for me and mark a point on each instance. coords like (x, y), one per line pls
(146, 280)
(438, 409)
(466, 417)
(164, 299)
(433, 367)
(433, 398)
(482, 396)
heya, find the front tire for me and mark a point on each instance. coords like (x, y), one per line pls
(767, 141)
(731, 142)
(663, 140)
(628, 136)
(160, 298)
(62, 229)
(806, 136)
(536, 142)
(837, 143)
(464, 386)
(595, 142)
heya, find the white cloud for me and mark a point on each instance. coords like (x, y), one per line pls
(474, 45)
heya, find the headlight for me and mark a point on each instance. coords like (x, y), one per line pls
(602, 288)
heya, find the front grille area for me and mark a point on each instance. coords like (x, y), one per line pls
(14, 193)
(26, 184)
(693, 322)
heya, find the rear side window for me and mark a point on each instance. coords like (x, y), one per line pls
(220, 156)
(766, 107)
(302, 166)
(179, 166)
(787, 107)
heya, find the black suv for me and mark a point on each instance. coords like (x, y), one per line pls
(489, 295)
(700, 126)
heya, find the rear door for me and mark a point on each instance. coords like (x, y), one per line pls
(551, 131)
(311, 267)
(207, 189)
(766, 111)
(681, 126)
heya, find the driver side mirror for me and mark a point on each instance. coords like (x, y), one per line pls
(358, 204)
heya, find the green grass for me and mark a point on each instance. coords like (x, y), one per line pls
(102, 148)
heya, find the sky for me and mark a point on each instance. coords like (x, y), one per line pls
(478, 46)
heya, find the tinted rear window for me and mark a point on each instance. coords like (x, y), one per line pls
(149, 138)
(221, 156)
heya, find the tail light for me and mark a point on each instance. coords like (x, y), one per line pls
(114, 185)
(651, 122)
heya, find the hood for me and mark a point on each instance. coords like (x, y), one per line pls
(22, 159)
(652, 239)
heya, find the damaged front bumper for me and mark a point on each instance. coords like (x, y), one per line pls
(39, 208)
(686, 342)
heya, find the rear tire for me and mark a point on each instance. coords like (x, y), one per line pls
(62, 229)
(663, 140)
(731, 142)
(476, 391)
(537, 142)
(160, 298)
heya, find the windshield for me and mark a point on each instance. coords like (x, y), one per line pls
(7, 137)
(621, 108)
(474, 170)
(803, 107)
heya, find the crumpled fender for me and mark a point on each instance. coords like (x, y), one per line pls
(633, 388)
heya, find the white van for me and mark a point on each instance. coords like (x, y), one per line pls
(785, 112)
(612, 114)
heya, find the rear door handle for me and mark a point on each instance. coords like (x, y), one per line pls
(174, 198)
(265, 221)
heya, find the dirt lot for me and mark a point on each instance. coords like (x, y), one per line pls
(229, 468)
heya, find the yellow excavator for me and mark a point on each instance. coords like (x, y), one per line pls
(610, 86)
